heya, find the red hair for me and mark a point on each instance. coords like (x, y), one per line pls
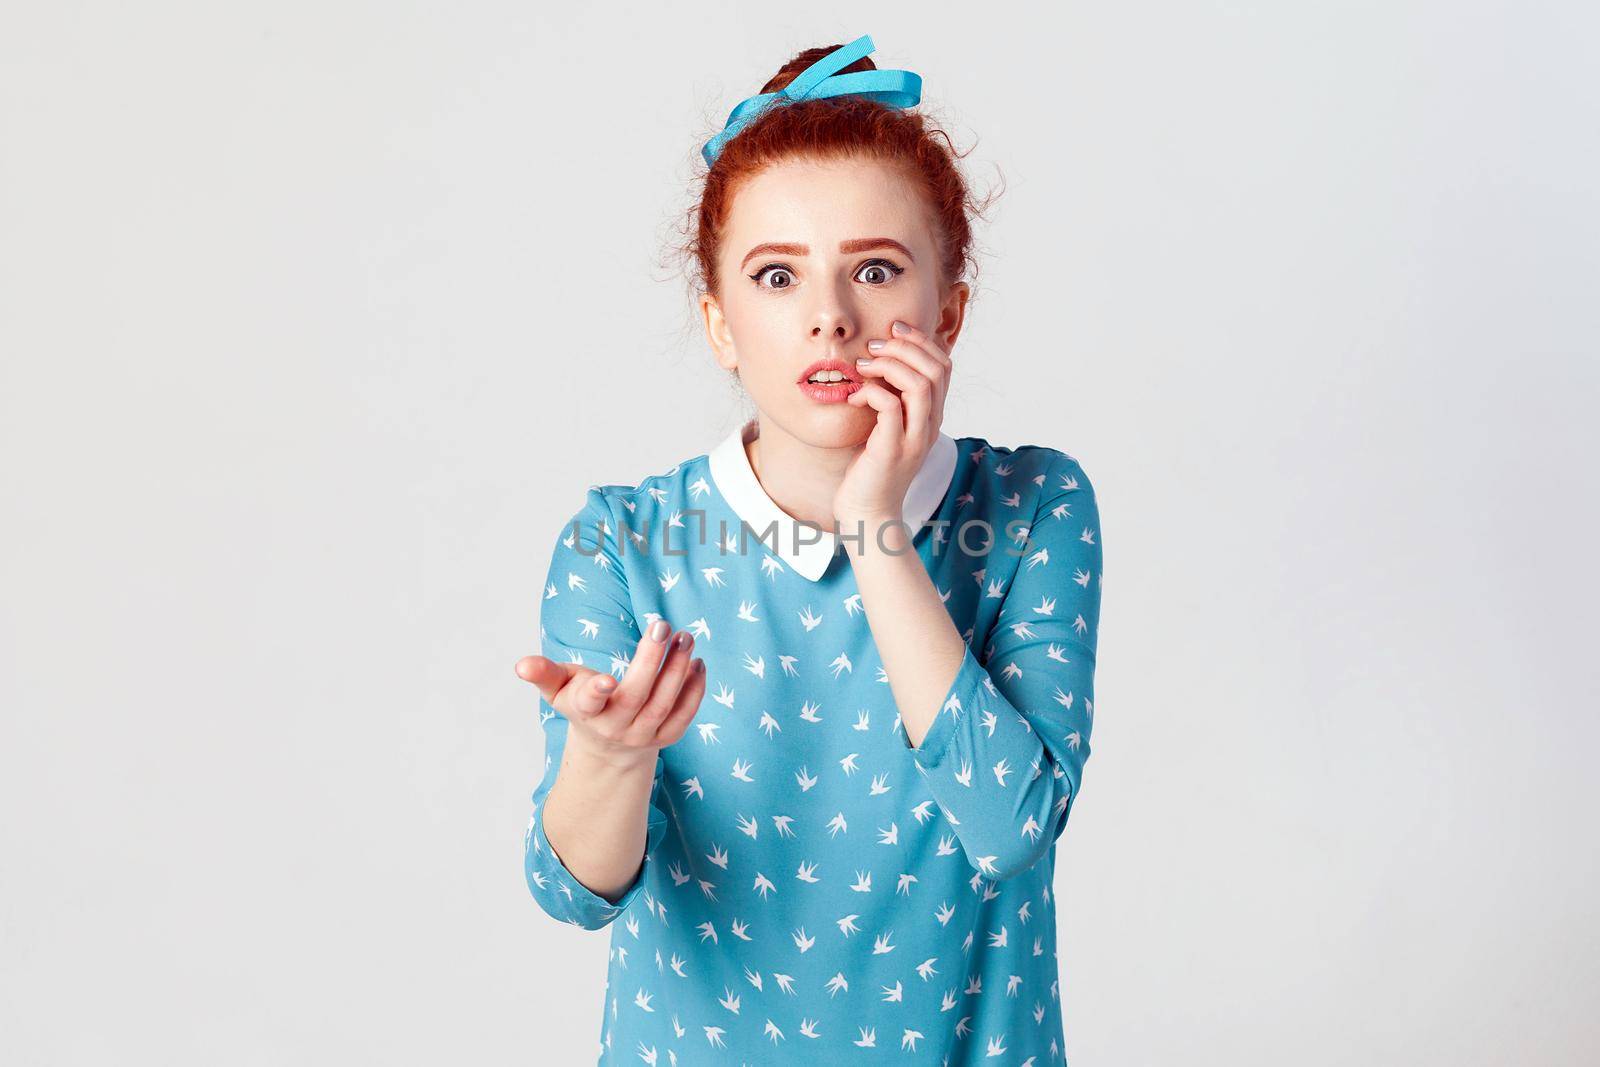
(839, 127)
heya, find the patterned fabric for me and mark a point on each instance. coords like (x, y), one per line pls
(813, 884)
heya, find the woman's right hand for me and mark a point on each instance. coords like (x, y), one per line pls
(626, 723)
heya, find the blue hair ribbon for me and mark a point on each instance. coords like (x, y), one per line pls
(892, 88)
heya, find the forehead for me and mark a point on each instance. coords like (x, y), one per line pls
(817, 202)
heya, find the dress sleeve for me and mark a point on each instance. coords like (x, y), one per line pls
(1004, 755)
(586, 618)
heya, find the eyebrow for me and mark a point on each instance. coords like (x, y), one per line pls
(859, 244)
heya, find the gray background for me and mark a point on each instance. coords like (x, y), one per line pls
(317, 319)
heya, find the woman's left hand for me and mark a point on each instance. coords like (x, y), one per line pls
(874, 488)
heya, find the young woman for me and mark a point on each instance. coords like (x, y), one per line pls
(846, 852)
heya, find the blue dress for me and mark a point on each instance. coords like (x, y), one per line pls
(814, 887)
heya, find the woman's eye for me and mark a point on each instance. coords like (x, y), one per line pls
(879, 272)
(776, 271)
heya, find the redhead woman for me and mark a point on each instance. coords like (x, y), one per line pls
(817, 700)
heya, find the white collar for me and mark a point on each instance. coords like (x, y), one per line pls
(730, 469)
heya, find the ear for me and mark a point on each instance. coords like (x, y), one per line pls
(717, 333)
(952, 314)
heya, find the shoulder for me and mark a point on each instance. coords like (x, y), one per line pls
(611, 508)
(1021, 473)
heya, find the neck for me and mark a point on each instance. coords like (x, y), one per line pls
(802, 479)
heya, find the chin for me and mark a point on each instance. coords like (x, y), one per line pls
(827, 425)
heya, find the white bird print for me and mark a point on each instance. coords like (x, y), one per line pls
(1002, 470)
(847, 925)
(1030, 829)
(1013, 500)
(669, 580)
(714, 1035)
(648, 1055)
(863, 882)
(988, 721)
(944, 913)
(712, 575)
(996, 589)
(773, 1032)
(805, 779)
(1073, 740)
(852, 605)
(997, 1046)
(677, 966)
(768, 724)
(926, 967)
(700, 628)
(986, 865)
(836, 983)
(747, 611)
(719, 856)
(964, 775)
(1088, 536)
(808, 1028)
(1046, 606)
(840, 664)
(785, 982)
(893, 993)
(848, 764)
(1023, 914)
(1080, 626)
(998, 940)
(698, 487)
(757, 667)
(771, 565)
(748, 825)
(879, 785)
(861, 719)
(708, 932)
(891, 836)
(807, 872)
(1081, 577)
(738, 928)
(962, 1029)
(1039, 558)
(691, 788)
(836, 825)
(588, 628)
(741, 771)
(763, 885)
(1057, 653)
(801, 941)
(881, 944)
(787, 663)
(909, 1039)
(868, 1038)
(708, 732)
(903, 884)
(753, 977)
(1001, 769)
(809, 620)
(781, 822)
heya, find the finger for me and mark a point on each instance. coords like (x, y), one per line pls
(664, 696)
(591, 696)
(683, 711)
(637, 680)
(920, 339)
(547, 674)
(891, 414)
(917, 393)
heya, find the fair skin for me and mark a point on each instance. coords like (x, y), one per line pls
(844, 466)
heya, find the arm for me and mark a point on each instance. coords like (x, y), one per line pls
(604, 811)
(1002, 742)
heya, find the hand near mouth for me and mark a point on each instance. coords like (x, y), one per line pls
(909, 417)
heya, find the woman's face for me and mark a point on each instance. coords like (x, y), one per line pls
(818, 259)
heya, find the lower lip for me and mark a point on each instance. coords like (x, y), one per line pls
(830, 393)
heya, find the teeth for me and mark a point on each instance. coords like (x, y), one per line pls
(828, 376)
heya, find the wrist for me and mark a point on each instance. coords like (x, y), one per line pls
(875, 533)
(596, 759)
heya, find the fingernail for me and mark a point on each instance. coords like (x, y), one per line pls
(900, 327)
(658, 630)
(606, 684)
(874, 345)
(700, 666)
(863, 361)
(680, 639)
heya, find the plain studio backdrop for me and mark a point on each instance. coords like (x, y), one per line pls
(317, 320)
